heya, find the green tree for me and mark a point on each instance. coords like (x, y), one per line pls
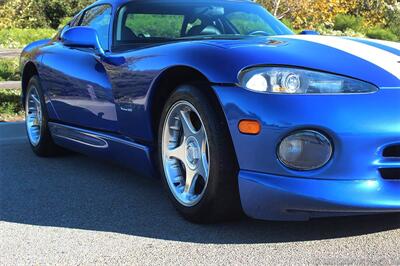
(38, 13)
(314, 13)
(393, 17)
(21, 14)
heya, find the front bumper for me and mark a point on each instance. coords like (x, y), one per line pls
(271, 197)
(360, 127)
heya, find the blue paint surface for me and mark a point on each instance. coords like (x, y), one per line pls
(113, 95)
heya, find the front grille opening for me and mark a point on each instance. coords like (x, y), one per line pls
(390, 173)
(392, 151)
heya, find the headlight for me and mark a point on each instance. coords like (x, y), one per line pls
(300, 81)
(305, 150)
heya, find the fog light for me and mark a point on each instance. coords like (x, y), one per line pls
(305, 150)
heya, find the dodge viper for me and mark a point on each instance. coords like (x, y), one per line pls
(232, 110)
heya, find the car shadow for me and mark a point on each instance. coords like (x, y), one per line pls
(82, 193)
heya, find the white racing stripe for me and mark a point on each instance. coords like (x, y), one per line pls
(394, 45)
(376, 56)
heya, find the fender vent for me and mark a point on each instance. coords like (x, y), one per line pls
(390, 173)
(392, 151)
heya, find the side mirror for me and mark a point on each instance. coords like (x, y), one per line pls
(309, 32)
(82, 37)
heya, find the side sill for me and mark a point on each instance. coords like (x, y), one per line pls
(104, 146)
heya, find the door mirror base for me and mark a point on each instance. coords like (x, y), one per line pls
(86, 37)
(82, 37)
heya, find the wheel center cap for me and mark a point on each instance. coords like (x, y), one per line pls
(192, 152)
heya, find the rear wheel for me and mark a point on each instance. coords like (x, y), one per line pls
(196, 157)
(36, 120)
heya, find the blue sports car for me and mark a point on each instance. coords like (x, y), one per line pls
(232, 110)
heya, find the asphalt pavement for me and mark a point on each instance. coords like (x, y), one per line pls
(74, 210)
(10, 84)
(9, 53)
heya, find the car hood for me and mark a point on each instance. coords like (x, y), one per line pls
(374, 61)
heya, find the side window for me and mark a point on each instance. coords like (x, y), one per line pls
(247, 23)
(136, 27)
(64, 29)
(99, 18)
(154, 25)
(76, 20)
(73, 23)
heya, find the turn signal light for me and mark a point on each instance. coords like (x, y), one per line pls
(249, 127)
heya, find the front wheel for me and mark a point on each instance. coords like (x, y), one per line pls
(36, 120)
(196, 156)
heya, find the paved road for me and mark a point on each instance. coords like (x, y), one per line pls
(9, 53)
(10, 84)
(76, 210)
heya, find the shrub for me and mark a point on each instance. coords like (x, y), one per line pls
(288, 23)
(64, 22)
(332, 32)
(38, 13)
(21, 14)
(9, 69)
(344, 22)
(10, 105)
(19, 38)
(382, 34)
(395, 28)
(393, 16)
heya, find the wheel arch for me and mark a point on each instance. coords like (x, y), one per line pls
(167, 82)
(28, 72)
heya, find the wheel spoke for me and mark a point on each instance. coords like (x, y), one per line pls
(188, 128)
(190, 184)
(177, 153)
(35, 99)
(200, 136)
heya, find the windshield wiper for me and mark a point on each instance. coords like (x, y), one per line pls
(215, 37)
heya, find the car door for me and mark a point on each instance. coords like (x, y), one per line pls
(76, 79)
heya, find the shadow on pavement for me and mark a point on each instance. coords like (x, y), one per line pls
(82, 193)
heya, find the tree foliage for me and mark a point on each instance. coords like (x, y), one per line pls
(313, 13)
(21, 14)
(393, 18)
(38, 13)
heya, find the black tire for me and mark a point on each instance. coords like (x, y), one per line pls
(221, 201)
(45, 147)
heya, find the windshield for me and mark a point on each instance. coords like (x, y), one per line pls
(151, 22)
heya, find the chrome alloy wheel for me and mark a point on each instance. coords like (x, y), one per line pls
(185, 153)
(34, 116)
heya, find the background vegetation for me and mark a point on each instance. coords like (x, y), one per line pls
(378, 19)
(22, 21)
(10, 105)
(9, 69)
